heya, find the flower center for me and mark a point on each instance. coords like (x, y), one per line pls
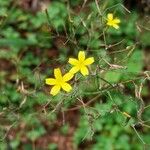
(81, 64)
(60, 81)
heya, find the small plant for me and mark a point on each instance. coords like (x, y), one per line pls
(99, 95)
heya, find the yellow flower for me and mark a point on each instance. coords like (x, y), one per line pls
(59, 82)
(81, 63)
(111, 21)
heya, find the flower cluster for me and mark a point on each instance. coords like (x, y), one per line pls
(60, 81)
(79, 65)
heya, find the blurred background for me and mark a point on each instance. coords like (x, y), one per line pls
(37, 36)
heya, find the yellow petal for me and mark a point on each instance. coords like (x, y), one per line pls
(109, 23)
(115, 26)
(57, 73)
(116, 20)
(55, 89)
(66, 87)
(84, 71)
(73, 61)
(50, 81)
(68, 76)
(81, 55)
(110, 16)
(74, 70)
(89, 61)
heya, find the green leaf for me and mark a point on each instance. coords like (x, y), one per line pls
(52, 146)
(57, 13)
(145, 38)
(36, 133)
(135, 63)
(113, 76)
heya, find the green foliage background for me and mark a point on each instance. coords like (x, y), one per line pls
(33, 43)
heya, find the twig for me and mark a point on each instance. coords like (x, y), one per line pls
(138, 134)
